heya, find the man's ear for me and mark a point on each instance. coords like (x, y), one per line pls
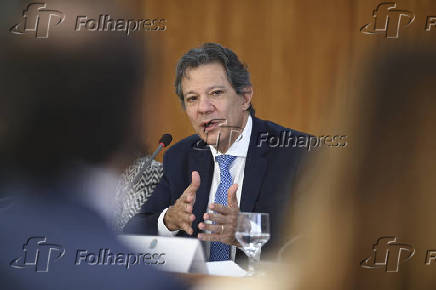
(247, 95)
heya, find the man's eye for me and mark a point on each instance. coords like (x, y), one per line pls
(217, 92)
(191, 99)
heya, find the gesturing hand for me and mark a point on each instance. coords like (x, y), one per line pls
(179, 216)
(224, 218)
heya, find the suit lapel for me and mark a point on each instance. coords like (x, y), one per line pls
(255, 168)
(203, 163)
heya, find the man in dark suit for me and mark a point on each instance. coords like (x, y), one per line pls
(233, 164)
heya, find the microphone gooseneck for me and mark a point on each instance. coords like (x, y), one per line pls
(164, 141)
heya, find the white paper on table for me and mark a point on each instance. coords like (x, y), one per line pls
(225, 268)
(183, 255)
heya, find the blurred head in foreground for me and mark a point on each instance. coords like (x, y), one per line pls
(66, 113)
(66, 101)
(381, 186)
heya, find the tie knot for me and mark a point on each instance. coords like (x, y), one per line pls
(224, 161)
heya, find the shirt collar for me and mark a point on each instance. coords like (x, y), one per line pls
(240, 146)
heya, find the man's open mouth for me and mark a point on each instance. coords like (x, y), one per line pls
(212, 124)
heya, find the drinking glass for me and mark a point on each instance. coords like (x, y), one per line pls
(252, 232)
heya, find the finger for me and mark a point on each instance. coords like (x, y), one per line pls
(187, 207)
(222, 209)
(215, 217)
(218, 229)
(210, 237)
(190, 198)
(195, 182)
(186, 218)
(232, 200)
(186, 197)
(187, 228)
(183, 205)
(190, 192)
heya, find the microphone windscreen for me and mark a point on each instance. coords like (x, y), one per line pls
(166, 139)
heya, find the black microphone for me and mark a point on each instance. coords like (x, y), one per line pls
(164, 141)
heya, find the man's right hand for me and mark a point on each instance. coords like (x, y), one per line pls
(179, 216)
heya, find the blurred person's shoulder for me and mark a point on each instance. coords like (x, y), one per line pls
(74, 232)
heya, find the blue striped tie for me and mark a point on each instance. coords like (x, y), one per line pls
(220, 251)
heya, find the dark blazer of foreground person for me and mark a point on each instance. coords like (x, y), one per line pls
(68, 107)
(65, 241)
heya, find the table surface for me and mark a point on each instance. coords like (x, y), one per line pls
(195, 279)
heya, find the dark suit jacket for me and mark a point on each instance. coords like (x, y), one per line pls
(68, 224)
(268, 179)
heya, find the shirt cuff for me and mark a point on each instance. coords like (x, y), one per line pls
(162, 228)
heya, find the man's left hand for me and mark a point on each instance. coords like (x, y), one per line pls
(225, 220)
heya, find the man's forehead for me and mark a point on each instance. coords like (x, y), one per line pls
(209, 75)
(215, 68)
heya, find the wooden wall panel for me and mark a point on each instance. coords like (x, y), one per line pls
(305, 56)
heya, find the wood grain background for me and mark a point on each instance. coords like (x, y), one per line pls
(305, 56)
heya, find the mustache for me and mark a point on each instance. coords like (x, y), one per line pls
(216, 120)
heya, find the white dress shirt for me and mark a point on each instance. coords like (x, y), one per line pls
(239, 149)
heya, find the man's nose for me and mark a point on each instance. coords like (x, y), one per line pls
(205, 105)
